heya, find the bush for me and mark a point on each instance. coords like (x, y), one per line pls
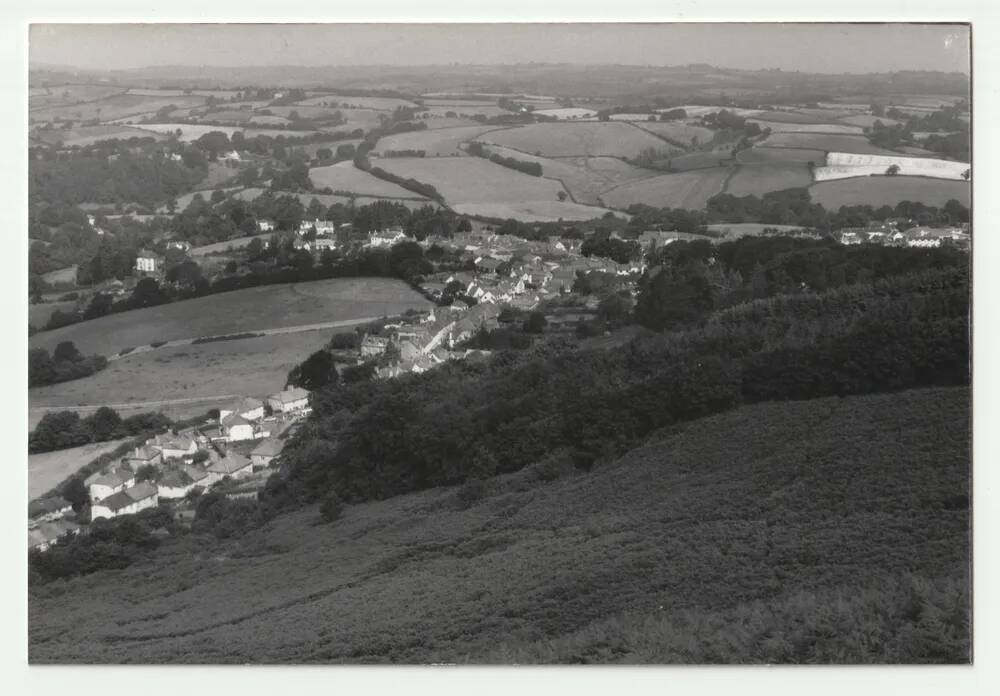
(332, 507)
(472, 491)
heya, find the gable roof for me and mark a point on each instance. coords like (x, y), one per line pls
(195, 473)
(113, 478)
(271, 447)
(234, 419)
(293, 394)
(116, 502)
(140, 491)
(44, 506)
(175, 478)
(145, 453)
(231, 463)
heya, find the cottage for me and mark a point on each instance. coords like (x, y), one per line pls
(386, 238)
(127, 502)
(289, 400)
(110, 482)
(147, 261)
(248, 408)
(144, 456)
(266, 452)
(372, 345)
(175, 446)
(265, 225)
(177, 483)
(232, 465)
(47, 510)
(44, 535)
(236, 428)
(325, 244)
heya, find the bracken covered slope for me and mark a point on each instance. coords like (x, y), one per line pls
(831, 530)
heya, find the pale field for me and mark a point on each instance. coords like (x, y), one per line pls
(191, 131)
(48, 469)
(697, 110)
(570, 112)
(434, 142)
(589, 138)
(344, 176)
(61, 276)
(774, 155)
(828, 142)
(342, 102)
(867, 121)
(221, 94)
(239, 311)
(366, 119)
(779, 127)
(677, 131)
(533, 211)
(467, 111)
(238, 243)
(888, 190)
(689, 190)
(758, 179)
(843, 165)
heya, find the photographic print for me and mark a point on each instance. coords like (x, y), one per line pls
(499, 343)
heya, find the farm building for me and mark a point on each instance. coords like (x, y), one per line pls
(232, 465)
(110, 482)
(47, 510)
(266, 452)
(126, 502)
(42, 537)
(289, 400)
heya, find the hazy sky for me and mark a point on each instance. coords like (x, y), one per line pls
(806, 47)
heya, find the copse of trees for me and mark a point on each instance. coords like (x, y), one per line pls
(477, 149)
(63, 429)
(66, 363)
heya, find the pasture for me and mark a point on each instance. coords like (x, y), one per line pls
(413, 202)
(61, 276)
(438, 122)
(828, 142)
(39, 314)
(843, 165)
(193, 131)
(582, 139)
(690, 190)
(48, 469)
(758, 179)
(475, 186)
(116, 107)
(490, 111)
(314, 112)
(867, 121)
(253, 309)
(436, 142)
(338, 101)
(699, 160)
(567, 113)
(836, 128)
(678, 132)
(88, 135)
(344, 176)
(230, 244)
(40, 98)
(888, 190)
(775, 155)
(365, 119)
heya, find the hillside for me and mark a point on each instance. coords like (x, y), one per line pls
(835, 529)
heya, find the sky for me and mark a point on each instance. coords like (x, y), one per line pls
(824, 48)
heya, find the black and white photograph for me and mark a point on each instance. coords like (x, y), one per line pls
(499, 343)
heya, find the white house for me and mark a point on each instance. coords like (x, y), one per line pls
(148, 261)
(233, 465)
(127, 502)
(249, 408)
(174, 446)
(44, 535)
(236, 428)
(110, 482)
(289, 400)
(386, 238)
(177, 483)
(265, 225)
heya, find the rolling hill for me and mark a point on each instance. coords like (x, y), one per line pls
(830, 530)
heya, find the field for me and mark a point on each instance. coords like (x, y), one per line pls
(867, 121)
(688, 190)
(45, 97)
(345, 177)
(38, 314)
(777, 127)
(589, 138)
(266, 307)
(468, 111)
(748, 229)
(782, 532)
(341, 102)
(439, 122)
(700, 160)
(218, 247)
(191, 131)
(365, 119)
(775, 155)
(584, 177)
(827, 142)
(87, 135)
(571, 112)
(888, 190)
(62, 276)
(758, 179)
(412, 202)
(434, 142)
(47, 469)
(677, 131)
(116, 107)
(842, 165)
(475, 186)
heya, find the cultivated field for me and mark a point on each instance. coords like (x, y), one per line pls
(475, 186)
(842, 165)
(434, 142)
(254, 309)
(576, 569)
(758, 179)
(778, 127)
(47, 469)
(889, 190)
(586, 139)
(689, 190)
(828, 142)
(571, 112)
(344, 176)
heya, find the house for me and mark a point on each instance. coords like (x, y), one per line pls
(47, 510)
(231, 157)
(126, 502)
(488, 264)
(175, 446)
(232, 465)
(265, 225)
(656, 239)
(289, 400)
(44, 535)
(144, 456)
(325, 244)
(181, 244)
(372, 345)
(147, 261)
(177, 483)
(248, 407)
(387, 237)
(109, 483)
(266, 452)
(236, 428)
(322, 227)
(850, 238)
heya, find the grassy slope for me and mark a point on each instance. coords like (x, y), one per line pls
(650, 558)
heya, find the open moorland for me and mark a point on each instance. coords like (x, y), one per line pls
(635, 561)
(253, 309)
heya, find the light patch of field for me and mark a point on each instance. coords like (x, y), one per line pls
(114, 107)
(268, 120)
(231, 244)
(697, 110)
(460, 102)
(749, 229)
(412, 203)
(828, 142)
(564, 113)
(366, 119)
(437, 122)
(690, 190)
(867, 120)
(775, 155)
(314, 112)
(584, 177)
(631, 117)
(584, 139)
(193, 131)
(844, 165)
(926, 101)
(253, 309)
(467, 111)
(88, 135)
(225, 94)
(476, 186)
(61, 276)
(677, 131)
(47, 469)
(778, 127)
(437, 142)
(337, 101)
(888, 190)
(344, 176)
(758, 179)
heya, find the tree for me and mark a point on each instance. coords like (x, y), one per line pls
(324, 153)
(65, 351)
(332, 507)
(318, 370)
(561, 195)
(75, 492)
(535, 323)
(104, 424)
(893, 170)
(218, 195)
